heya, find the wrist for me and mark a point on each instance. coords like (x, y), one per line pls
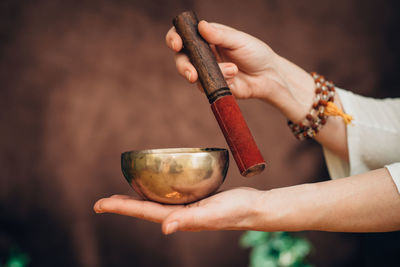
(254, 212)
(289, 88)
(286, 209)
(300, 86)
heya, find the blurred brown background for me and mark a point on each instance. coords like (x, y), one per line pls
(83, 81)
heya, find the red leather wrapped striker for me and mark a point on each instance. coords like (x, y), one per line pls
(227, 112)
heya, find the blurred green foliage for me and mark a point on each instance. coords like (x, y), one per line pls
(16, 258)
(276, 249)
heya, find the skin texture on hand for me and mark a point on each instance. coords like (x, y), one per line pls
(253, 70)
(367, 202)
(243, 58)
(233, 209)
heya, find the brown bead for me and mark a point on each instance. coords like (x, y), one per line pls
(325, 92)
(314, 125)
(315, 106)
(309, 117)
(318, 90)
(332, 89)
(331, 99)
(300, 136)
(323, 121)
(321, 115)
(323, 102)
(301, 125)
(320, 79)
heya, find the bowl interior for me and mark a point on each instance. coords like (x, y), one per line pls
(176, 150)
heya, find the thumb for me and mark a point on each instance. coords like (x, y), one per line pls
(185, 219)
(222, 35)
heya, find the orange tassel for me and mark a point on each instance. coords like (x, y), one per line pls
(332, 110)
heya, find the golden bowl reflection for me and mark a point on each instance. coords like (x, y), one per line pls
(175, 175)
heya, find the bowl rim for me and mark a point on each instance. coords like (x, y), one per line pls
(170, 151)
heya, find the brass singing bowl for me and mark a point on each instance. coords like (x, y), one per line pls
(175, 175)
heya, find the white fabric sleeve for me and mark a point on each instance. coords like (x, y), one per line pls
(394, 170)
(373, 138)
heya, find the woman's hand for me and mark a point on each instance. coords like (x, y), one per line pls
(233, 209)
(251, 68)
(367, 202)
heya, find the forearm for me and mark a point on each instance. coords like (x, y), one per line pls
(367, 202)
(301, 86)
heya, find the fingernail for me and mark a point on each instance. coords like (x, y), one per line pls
(210, 25)
(97, 208)
(172, 227)
(188, 75)
(230, 70)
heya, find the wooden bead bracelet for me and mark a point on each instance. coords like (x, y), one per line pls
(322, 107)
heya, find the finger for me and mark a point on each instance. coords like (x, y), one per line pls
(173, 40)
(124, 197)
(188, 219)
(147, 210)
(222, 35)
(231, 84)
(229, 70)
(185, 68)
(216, 53)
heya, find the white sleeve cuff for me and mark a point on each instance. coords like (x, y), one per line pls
(394, 170)
(372, 138)
(337, 167)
